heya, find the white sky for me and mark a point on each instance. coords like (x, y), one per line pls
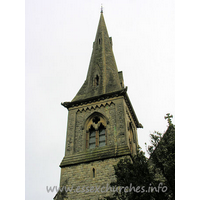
(52, 33)
(59, 39)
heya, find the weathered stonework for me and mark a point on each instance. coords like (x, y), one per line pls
(70, 133)
(102, 125)
(115, 110)
(85, 186)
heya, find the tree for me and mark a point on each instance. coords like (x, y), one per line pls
(148, 179)
(134, 175)
(162, 157)
(62, 194)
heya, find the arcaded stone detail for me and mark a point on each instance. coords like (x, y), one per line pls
(83, 113)
(94, 106)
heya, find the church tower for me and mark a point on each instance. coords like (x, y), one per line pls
(102, 125)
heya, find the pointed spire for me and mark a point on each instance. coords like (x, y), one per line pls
(102, 76)
(101, 8)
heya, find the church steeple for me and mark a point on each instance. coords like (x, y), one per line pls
(102, 77)
(102, 124)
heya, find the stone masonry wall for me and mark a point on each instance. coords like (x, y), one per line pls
(80, 177)
(113, 109)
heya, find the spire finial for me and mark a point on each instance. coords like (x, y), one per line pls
(101, 8)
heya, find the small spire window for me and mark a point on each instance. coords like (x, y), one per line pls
(99, 41)
(96, 81)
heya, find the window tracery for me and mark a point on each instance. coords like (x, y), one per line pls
(96, 132)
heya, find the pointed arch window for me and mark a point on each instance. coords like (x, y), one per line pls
(96, 81)
(96, 133)
(92, 138)
(102, 136)
(97, 138)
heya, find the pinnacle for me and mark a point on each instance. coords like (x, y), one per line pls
(101, 8)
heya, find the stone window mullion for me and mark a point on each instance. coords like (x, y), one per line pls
(105, 137)
(97, 138)
(87, 139)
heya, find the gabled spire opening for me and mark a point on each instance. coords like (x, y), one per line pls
(96, 81)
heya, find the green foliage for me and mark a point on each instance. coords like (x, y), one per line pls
(133, 173)
(162, 156)
(163, 159)
(62, 194)
(139, 171)
(155, 139)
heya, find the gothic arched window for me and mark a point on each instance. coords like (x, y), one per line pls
(92, 138)
(102, 136)
(96, 132)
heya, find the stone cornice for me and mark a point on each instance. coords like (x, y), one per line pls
(99, 153)
(128, 103)
(94, 99)
(122, 92)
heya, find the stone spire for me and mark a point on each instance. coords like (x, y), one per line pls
(102, 77)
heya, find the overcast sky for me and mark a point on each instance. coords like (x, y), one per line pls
(59, 39)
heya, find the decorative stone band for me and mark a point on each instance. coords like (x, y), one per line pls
(94, 106)
(94, 99)
(122, 92)
(99, 153)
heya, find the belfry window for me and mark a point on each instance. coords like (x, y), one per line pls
(97, 138)
(92, 138)
(96, 133)
(102, 137)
